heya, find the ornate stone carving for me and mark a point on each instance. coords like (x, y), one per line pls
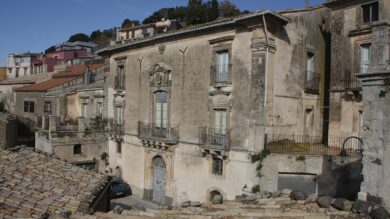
(160, 76)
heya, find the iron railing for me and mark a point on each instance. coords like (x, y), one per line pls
(115, 128)
(157, 132)
(212, 138)
(312, 145)
(221, 74)
(342, 85)
(312, 84)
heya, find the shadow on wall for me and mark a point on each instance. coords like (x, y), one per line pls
(341, 178)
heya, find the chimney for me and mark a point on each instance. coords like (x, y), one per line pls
(86, 75)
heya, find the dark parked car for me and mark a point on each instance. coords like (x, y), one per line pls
(119, 188)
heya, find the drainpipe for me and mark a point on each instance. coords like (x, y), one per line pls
(266, 62)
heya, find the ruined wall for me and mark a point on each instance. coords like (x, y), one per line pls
(61, 144)
(332, 175)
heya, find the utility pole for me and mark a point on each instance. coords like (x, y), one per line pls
(306, 3)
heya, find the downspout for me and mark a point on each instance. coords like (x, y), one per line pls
(266, 62)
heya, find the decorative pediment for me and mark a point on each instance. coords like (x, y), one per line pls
(160, 75)
(120, 61)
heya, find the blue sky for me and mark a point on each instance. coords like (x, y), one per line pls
(35, 25)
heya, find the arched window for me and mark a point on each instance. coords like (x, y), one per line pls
(161, 110)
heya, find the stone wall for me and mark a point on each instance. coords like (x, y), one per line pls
(332, 175)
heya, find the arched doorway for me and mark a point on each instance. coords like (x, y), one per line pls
(158, 181)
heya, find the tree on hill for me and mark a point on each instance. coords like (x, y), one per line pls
(79, 37)
(98, 36)
(196, 12)
(213, 10)
(129, 23)
(228, 9)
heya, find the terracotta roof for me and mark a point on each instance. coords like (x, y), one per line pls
(45, 85)
(76, 70)
(33, 185)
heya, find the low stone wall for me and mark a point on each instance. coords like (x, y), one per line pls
(332, 175)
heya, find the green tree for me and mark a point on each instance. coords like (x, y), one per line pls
(79, 37)
(196, 12)
(228, 9)
(212, 10)
(129, 23)
(50, 49)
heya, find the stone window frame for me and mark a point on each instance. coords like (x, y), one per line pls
(211, 166)
(119, 104)
(359, 14)
(213, 107)
(120, 63)
(356, 54)
(220, 45)
(153, 107)
(160, 67)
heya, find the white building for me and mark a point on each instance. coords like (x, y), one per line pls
(20, 65)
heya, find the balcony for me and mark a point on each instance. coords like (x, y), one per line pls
(346, 85)
(313, 145)
(151, 131)
(211, 138)
(312, 84)
(220, 75)
(117, 129)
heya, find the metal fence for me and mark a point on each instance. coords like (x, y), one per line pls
(116, 128)
(153, 131)
(313, 145)
(214, 138)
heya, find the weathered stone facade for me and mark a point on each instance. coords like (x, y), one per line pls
(263, 61)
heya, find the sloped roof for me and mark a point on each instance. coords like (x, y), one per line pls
(77, 70)
(45, 85)
(33, 184)
(194, 28)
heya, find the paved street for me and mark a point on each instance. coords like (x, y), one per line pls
(130, 202)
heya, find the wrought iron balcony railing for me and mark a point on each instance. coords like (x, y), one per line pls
(156, 132)
(220, 74)
(343, 85)
(115, 128)
(213, 138)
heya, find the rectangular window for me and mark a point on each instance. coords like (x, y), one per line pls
(29, 106)
(222, 68)
(119, 115)
(120, 78)
(370, 12)
(84, 107)
(217, 167)
(10, 70)
(118, 147)
(25, 71)
(16, 72)
(220, 127)
(77, 149)
(99, 109)
(47, 107)
(365, 56)
(310, 72)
